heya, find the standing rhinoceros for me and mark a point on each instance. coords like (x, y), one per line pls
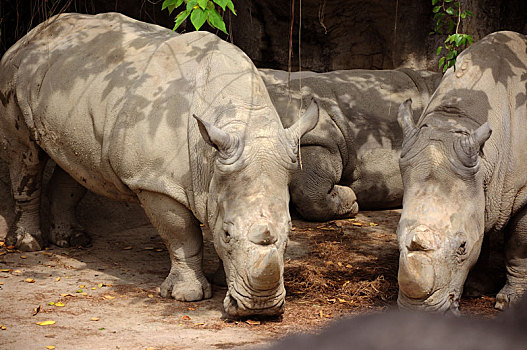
(464, 169)
(111, 100)
(352, 155)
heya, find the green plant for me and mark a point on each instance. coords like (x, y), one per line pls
(447, 16)
(200, 11)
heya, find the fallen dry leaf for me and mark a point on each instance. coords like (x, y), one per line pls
(29, 280)
(348, 266)
(150, 348)
(51, 303)
(60, 304)
(159, 250)
(57, 279)
(373, 224)
(3, 253)
(2, 243)
(150, 295)
(339, 263)
(321, 314)
(342, 300)
(109, 297)
(23, 257)
(66, 295)
(200, 324)
(46, 323)
(191, 308)
(185, 318)
(84, 293)
(82, 286)
(2, 327)
(10, 247)
(332, 301)
(5, 270)
(78, 291)
(253, 323)
(94, 319)
(93, 288)
(50, 347)
(36, 310)
(1, 283)
(356, 224)
(128, 248)
(17, 271)
(148, 248)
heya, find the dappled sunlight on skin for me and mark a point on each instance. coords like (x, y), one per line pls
(351, 155)
(468, 144)
(134, 112)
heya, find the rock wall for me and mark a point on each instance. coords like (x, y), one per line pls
(335, 34)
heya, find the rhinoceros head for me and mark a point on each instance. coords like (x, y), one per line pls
(249, 213)
(441, 227)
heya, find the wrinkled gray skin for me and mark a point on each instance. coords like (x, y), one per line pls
(111, 100)
(352, 154)
(417, 330)
(464, 170)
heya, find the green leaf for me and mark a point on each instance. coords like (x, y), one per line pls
(168, 3)
(469, 39)
(449, 0)
(436, 9)
(463, 15)
(458, 39)
(180, 18)
(230, 5)
(221, 3)
(198, 18)
(216, 21)
(434, 2)
(203, 4)
(468, 13)
(450, 11)
(439, 50)
(441, 62)
(191, 4)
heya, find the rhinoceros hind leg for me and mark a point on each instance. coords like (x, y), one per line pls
(64, 195)
(314, 190)
(516, 262)
(181, 232)
(25, 171)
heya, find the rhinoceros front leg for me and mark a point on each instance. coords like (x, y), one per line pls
(181, 232)
(315, 192)
(64, 195)
(25, 171)
(516, 262)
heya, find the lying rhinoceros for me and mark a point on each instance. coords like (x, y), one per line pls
(111, 100)
(464, 169)
(352, 155)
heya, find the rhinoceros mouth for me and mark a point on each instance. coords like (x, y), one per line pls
(445, 304)
(238, 304)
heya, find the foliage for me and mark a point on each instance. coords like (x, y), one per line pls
(447, 17)
(200, 11)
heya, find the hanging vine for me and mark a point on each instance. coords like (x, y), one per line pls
(447, 17)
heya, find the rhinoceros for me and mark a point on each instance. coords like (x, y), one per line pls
(464, 170)
(111, 100)
(352, 154)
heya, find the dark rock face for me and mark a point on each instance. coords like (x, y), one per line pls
(335, 34)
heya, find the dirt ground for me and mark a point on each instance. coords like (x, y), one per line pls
(106, 296)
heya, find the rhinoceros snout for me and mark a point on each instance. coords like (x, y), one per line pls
(262, 234)
(422, 238)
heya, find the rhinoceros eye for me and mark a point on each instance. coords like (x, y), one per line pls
(462, 248)
(226, 236)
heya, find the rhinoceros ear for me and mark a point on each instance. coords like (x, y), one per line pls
(406, 119)
(481, 135)
(214, 136)
(307, 122)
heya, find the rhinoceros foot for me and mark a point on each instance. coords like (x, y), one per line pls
(25, 241)
(510, 294)
(344, 202)
(186, 289)
(71, 237)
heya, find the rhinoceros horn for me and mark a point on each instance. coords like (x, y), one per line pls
(225, 143)
(265, 270)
